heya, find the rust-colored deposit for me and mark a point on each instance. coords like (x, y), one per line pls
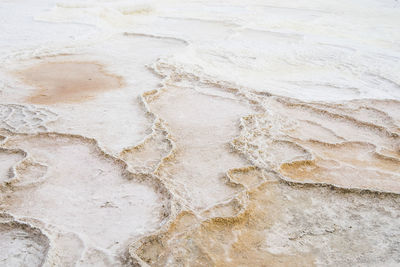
(224, 241)
(65, 82)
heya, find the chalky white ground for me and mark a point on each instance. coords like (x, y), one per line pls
(200, 133)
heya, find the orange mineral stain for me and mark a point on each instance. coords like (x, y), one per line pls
(66, 82)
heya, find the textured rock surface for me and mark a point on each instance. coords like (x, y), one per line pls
(199, 133)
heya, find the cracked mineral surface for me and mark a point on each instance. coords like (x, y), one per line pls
(200, 133)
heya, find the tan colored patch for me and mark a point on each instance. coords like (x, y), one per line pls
(350, 145)
(63, 82)
(229, 241)
(248, 176)
(281, 225)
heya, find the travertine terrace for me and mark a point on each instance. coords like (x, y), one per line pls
(200, 133)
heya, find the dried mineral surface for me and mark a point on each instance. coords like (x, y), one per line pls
(199, 133)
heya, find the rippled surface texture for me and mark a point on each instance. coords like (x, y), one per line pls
(200, 133)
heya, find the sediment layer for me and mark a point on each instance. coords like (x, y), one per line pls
(200, 134)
